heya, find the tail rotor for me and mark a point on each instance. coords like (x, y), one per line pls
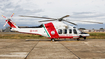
(8, 19)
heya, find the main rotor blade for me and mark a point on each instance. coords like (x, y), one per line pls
(88, 21)
(48, 20)
(70, 22)
(92, 22)
(65, 16)
(36, 17)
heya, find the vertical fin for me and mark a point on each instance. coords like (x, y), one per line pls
(11, 24)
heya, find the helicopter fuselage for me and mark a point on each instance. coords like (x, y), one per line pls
(52, 30)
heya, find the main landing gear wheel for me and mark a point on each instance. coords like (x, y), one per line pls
(78, 39)
(84, 38)
(52, 40)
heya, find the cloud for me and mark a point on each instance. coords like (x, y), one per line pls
(24, 8)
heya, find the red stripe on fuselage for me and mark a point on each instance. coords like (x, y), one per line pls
(51, 30)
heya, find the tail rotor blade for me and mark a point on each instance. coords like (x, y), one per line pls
(4, 16)
(5, 23)
(12, 15)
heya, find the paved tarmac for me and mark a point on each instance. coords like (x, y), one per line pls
(45, 49)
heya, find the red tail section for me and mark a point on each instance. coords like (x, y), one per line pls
(12, 24)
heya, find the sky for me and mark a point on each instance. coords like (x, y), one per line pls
(81, 10)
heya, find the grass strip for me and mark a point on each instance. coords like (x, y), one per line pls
(93, 35)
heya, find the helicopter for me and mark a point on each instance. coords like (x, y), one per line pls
(51, 30)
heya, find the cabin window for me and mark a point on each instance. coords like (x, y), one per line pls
(70, 31)
(65, 31)
(60, 31)
(74, 30)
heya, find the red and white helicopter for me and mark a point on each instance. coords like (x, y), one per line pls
(52, 30)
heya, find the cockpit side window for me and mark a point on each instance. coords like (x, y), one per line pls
(65, 31)
(74, 30)
(60, 31)
(70, 31)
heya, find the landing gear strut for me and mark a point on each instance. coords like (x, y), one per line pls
(84, 38)
(78, 39)
(53, 40)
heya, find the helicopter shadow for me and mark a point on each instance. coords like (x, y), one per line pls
(55, 40)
